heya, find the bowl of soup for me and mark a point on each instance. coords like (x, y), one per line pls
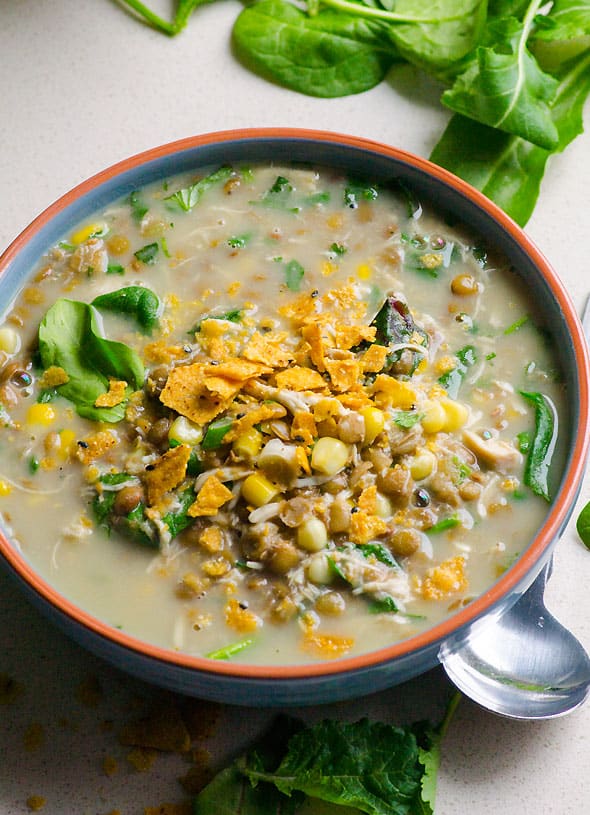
(283, 413)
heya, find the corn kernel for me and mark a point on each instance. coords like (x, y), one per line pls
(364, 271)
(319, 570)
(312, 535)
(456, 414)
(118, 245)
(67, 441)
(374, 423)
(335, 220)
(183, 431)
(445, 364)
(5, 487)
(328, 268)
(9, 340)
(434, 418)
(248, 444)
(422, 464)
(90, 230)
(383, 507)
(41, 414)
(329, 455)
(258, 490)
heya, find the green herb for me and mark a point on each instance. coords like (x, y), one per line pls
(115, 268)
(453, 379)
(463, 470)
(407, 418)
(517, 324)
(138, 207)
(542, 446)
(33, 464)
(233, 316)
(216, 432)
(188, 197)
(524, 441)
(70, 338)
(164, 245)
(139, 302)
(354, 193)
(230, 650)
(278, 196)
(445, 523)
(294, 273)
(385, 605)
(148, 253)
(239, 241)
(179, 519)
(47, 395)
(338, 249)
(381, 553)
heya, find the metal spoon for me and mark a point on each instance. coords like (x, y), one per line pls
(524, 665)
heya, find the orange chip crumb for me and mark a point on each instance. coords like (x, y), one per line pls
(166, 473)
(304, 428)
(211, 539)
(390, 391)
(365, 527)
(142, 758)
(347, 336)
(446, 578)
(300, 310)
(114, 396)
(326, 409)
(161, 353)
(53, 377)
(109, 766)
(367, 500)
(264, 413)
(344, 373)
(300, 379)
(314, 337)
(374, 358)
(239, 618)
(95, 446)
(36, 802)
(327, 646)
(186, 393)
(212, 495)
(268, 350)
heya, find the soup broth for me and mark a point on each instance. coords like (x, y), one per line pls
(274, 415)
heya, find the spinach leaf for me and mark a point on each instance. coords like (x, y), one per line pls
(294, 273)
(355, 192)
(453, 379)
(385, 605)
(233, 316)
(178, 519)
(503, 85)
(567, 20)
(329, 54)
(138, 301)
(148, 253)
(188, 197)
(70, 338)
(381, 553)
(542, 445)
(583, 525)
(395, 326)
(138, 207)
(507, 168)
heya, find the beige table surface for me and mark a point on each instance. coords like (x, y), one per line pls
(81, 87)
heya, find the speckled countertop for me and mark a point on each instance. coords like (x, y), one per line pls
(81, 87)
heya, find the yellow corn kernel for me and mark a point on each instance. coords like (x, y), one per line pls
(9, 340)
(248, 444)
(374, 423)
(335, 220)
(445, 364)
(118, 245)
(312, 535)
(258, 490)
(183, 431)
(383, 507)
(5, 487)
(67, 439)
(434, 418)
(319, 570)
(328, 268)
(329, 455)
(81, 235)
(422, 464)
(364, 271)
(456, 414)
(43, 414)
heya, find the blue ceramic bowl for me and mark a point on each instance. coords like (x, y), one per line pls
(367, 673)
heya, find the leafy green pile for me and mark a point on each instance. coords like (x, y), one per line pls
(517, 72)
(364, 766)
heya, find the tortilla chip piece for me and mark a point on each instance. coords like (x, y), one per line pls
(239, 369)
(326, 409)
(300, 379)
(344, 373)
(186, 393)
(446, 578)
(114, 396)
(161, 353)
(367, 500)
(212, 495)
(374, 358)
(355, 399)
(300, 311)
(327, 646)
(53, 377)
(162, 729)
(365, 527)
(304, 428)
(314, 336)
(166, 473)
(264, 413)
(347, 336)
(393, 393)
(95, 446)
(268, 350)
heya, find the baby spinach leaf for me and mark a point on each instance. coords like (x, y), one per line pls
(453, 379)
(504, 87)
(583, 525)
(70, 337)
(178, 519)
(329, 54)
(188, 197)
(385, 605)
(567, 20)
(294, 273)
(542, 445)
(148, 253)
(139, 302)
(138, 207)
(506, 168)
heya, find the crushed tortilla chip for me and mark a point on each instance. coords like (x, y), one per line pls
(374, 358)
(348, 336)
(268, 350)
(367, 500)
(263, 413)
(239, 618)
(186, 393)
(211, 539)
(327, 646)
(446, 578)
(326, 409)
(239, 369)
(95, 446)
(304, 428)
(161, 353)
(53, 377)
(166, 473)
(393, 393)
(313, 334)
(344, 373)
(300, 379)
(114, 396)
(365, 527)
(212, 495)
(301, 310)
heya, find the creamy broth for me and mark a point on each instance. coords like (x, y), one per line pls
(311, 440)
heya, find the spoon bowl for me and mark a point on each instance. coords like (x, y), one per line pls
(524, 665)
